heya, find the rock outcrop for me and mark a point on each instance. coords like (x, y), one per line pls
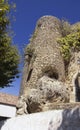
(44, 76)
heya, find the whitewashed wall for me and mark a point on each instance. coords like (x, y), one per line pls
(68, 119)
(7, 111)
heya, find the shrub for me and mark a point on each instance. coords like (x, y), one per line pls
(65, 28)
(68, 44)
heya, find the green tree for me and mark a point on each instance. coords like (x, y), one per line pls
(9, 56)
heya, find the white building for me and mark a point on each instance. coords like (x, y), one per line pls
(7, 106)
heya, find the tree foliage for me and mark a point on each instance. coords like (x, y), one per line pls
(9, 57)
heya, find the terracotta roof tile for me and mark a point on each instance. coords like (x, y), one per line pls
(8, 99)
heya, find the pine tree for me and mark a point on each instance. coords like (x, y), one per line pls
(9, 56)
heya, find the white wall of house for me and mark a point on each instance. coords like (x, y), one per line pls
(7, 111)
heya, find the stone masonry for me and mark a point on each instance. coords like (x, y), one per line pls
(44, 78)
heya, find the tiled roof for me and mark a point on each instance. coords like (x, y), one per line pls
(8, 99)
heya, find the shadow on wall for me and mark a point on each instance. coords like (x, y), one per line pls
(77, 85)
(2, 121)
(70, 120)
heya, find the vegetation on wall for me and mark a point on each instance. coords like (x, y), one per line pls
(65, 27)
(9, 56)
(70, 42)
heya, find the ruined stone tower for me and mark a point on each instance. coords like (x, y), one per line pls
(43, 78)
(42, 55)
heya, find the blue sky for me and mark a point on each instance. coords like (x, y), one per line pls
(28, 12)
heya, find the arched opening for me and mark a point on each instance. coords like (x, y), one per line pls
(51, 73)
